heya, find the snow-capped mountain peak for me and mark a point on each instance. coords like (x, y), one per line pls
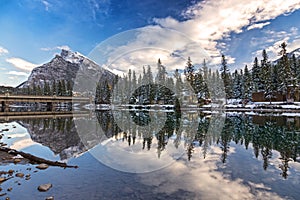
(72, 57)
(296, 52)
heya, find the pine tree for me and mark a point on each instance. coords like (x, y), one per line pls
(199, 86)
(69, 88)
(205, 79)
(46, 90)
(256, 75)
(189, 72)
(38, 90)
(34, 89)
(54, 88)
(63, 88)
(247, 85)
(226, 77)
(237, 84)
(134, 80)
(266, 77)
(178, 83)
(285, 71)
(59, 89)
(161, 73)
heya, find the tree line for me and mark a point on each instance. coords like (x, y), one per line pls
(269, 78)
(58, 88)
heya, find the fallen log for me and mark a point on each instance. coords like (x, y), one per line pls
(36, 159)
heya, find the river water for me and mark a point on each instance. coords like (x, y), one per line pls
(157, 155)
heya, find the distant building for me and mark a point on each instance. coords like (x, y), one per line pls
(292, 96)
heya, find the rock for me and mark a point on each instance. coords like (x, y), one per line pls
(27, 177)
(11, 171)
(44, 187)
(49, 198)
(2, 179)
(17, 160)
(7, 198)
(42, 166)
(9, 189)
(20, 175)
(5, 129)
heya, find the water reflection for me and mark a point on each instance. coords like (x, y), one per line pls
(265, 135)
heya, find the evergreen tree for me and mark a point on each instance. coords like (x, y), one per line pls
(205, 79)
(54, 88)
(266, 77)
(237, 84)
(189, 72)
(134, 80)
(38, 90)
(46, 90)
(247, 85)
(59, 89)
(256, 76)
(178, 83)
(225, 77)
(63, 88)
(285, 71)
(34, 89)
(199, 86)
(69, 88)
(161, 73)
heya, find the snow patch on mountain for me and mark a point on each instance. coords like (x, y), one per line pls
(68, 66)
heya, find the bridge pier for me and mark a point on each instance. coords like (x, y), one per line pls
(50, 106)
(4, 106)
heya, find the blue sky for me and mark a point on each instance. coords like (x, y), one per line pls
(32, 31)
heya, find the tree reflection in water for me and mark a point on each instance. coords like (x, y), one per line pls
(266, 134)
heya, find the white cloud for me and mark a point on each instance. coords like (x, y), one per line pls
(203, 178)
(145, 47)
(272, 41)
(208, 24)
(46, 4)
(65, 47)
(17, 73)
(210, 21)
(259, 25)
(21, 64)
(3, 51)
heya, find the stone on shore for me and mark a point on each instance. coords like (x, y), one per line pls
(44, 187)
(42, 166)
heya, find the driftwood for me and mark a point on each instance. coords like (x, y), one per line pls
(35, 159)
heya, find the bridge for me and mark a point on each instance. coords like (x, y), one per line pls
(8, 99)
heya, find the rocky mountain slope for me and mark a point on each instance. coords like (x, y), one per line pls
(69, 66)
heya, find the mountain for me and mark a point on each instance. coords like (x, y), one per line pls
(69, 66)
(295, 52)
